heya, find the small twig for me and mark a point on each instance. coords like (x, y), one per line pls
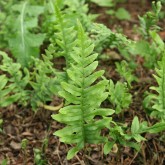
(57, 151)
(81, 162)
(135, 155)
(102, 151)
(90, 159)
(156, 149)
(51, 108)
(134, 158)
(144, 156)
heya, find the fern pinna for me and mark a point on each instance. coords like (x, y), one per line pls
(83, 99)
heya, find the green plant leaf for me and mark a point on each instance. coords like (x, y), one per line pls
(108, 147)
(72, 152)
(9, 100)
(23, 43)
(158, 100)
(3, 81)
(119, 96)
(135, 125)
(122, 14)
(105, 3)
(156, 128)
(13, 87)
(138, 138)
(134, 145)
(125, 72)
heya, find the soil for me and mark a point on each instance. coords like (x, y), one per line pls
(22, 123)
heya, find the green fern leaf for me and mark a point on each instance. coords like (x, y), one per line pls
(64, 35)
(44, 80)
(13, 86)
(159, 105)
(3, 80)
(83, 99)
(119, 96)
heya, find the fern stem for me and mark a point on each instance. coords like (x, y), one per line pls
(82, 104)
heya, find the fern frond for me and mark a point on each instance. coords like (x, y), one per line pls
(44, 80)
(64, 35)
(83, 99)
(125, 72)
(150, 19)
(69, 9)
(82, 14)
(104, 37)
(159, 105)
(119, 96)
(14, 82)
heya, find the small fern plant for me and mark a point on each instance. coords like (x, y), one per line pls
(158, 100)
(104, 38)
(150, 19)
(83, 99)
(125, 72)
(23, 86)
(44, 81)
(119, 96)
(13, 82)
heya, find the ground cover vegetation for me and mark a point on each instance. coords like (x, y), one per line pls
(74, 89)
